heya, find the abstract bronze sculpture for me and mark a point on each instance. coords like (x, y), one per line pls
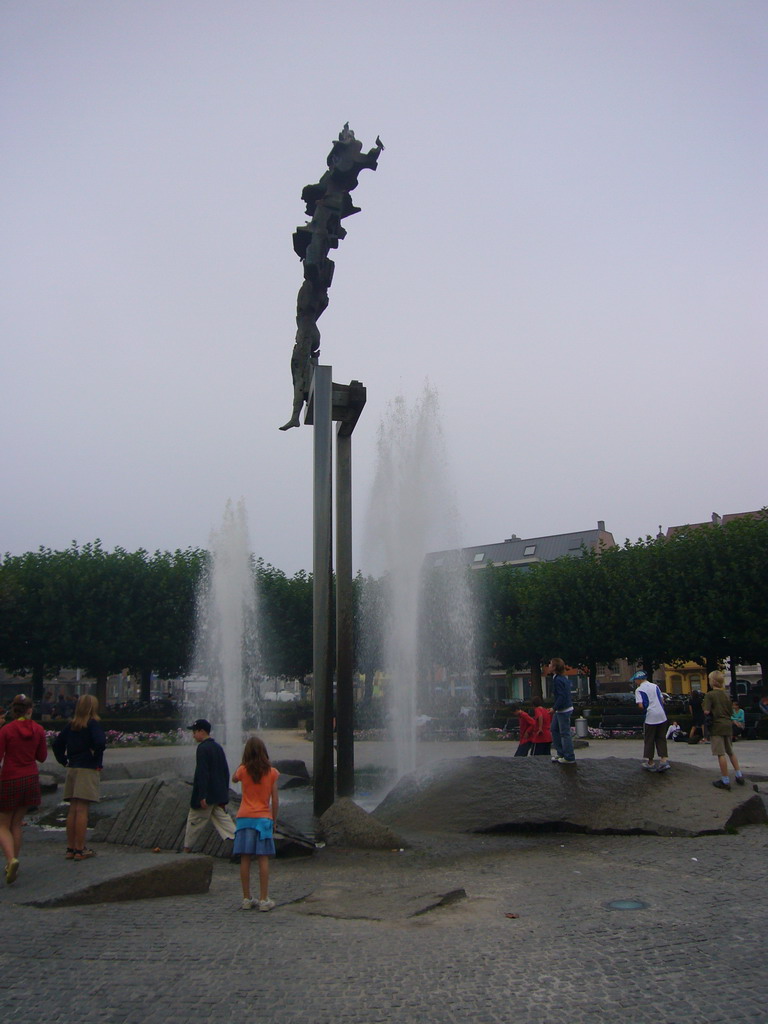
(328, 203)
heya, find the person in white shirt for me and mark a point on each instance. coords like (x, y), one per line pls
(648, 696)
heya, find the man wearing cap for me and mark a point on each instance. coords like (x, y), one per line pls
(210, 788)
(649, 697)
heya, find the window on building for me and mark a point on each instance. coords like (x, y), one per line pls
(530, 549)
(479, 557)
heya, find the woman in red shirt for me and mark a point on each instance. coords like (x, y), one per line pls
(22, 745)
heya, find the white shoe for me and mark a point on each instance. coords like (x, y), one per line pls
(554, 759)
(247, 904)
(265, 905)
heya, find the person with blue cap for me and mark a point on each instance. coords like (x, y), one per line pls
(648, 696)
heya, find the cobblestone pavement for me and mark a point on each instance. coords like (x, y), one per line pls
(341, 946)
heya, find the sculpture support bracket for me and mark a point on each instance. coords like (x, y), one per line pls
(347, 401)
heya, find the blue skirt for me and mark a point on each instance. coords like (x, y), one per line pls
(250, 839)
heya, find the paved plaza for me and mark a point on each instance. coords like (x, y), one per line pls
(418, 935)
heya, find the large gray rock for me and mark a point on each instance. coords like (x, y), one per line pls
(156, 817)
(347, 824)
(504, 794)
(295, 768)
(293, 774)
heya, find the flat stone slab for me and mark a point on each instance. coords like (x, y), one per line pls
(610, 795)
(380, 903)
(112, 876)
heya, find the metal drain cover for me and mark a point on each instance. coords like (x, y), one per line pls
(626, 905)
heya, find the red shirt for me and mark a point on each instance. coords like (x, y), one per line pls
(543, 733)
(527, 727)
(22, 745)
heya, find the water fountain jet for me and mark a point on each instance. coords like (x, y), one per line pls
(227, 634)
(412, 512)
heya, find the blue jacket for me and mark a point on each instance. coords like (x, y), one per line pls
(211, 782)
(80, 748)
(561, 691)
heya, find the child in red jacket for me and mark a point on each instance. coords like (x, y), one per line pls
(542, 736)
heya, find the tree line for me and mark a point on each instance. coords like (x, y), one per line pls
(105, 611)
(700, 595)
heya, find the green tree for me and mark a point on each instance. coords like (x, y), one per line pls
(162, 598)
(33, 616)
(96, 589)
(285, 615)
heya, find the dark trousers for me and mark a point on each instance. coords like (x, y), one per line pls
(655, 736)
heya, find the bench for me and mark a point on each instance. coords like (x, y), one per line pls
(622, 723)
(751, 720)
(443, 729)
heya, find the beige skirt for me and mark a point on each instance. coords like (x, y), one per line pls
(82, 784)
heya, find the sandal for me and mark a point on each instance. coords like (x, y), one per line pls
(70, 854)
(84, 854)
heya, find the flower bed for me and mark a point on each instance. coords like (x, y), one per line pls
(496, 734)
(118, 738)
(601, 734)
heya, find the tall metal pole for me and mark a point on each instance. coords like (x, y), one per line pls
(345, 703)
(322, 735)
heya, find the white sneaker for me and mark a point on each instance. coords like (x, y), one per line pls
(265, 905)
(554, 759)
(247, 904)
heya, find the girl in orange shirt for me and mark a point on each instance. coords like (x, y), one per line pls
(258, 811)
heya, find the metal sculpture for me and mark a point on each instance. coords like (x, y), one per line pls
(328, 202)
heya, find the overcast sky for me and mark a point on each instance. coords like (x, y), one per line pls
(566, 237)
